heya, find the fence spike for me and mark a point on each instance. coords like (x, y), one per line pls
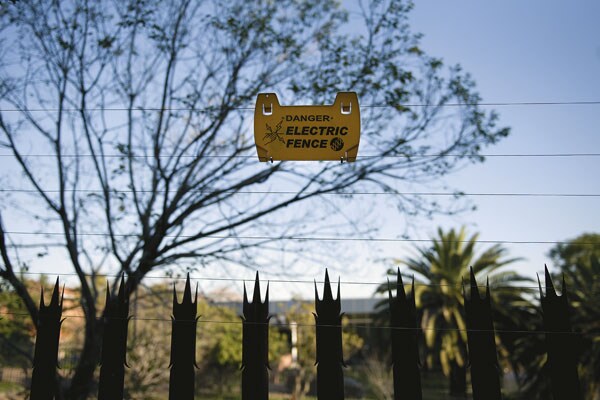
(405, 351)
(560, 343)
(122, 295)
(400, 292)
(483, 359)
(550, 290)
(183, 344)
(330, 376)
(327, 293)
(255, 345)
(187, 292)
(54, 302)
(256, 294)
(42, 305)
(474, 287)
(44, 385)
(114, 344)
(338, 299)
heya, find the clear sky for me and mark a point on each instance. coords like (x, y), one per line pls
(521, 51)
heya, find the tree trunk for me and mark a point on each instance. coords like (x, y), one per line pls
(83, 379)
(301, 384)
(458, 380)
(297, 389)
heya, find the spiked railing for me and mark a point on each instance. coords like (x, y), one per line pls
(255, 350)
(114, 344)
(483, 359)
(183, 344)
(405, 349)
(330, 357)
(560, 343)
(44, 384)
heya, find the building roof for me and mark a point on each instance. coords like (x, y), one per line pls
(349, 306)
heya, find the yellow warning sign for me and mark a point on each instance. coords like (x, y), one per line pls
(329, 132)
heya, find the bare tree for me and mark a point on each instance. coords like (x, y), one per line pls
(128, 125)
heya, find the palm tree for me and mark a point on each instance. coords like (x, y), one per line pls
(579, 265)
(584, 297)
(438, 272)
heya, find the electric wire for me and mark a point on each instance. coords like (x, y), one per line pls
(251, 108)
(311, 238)
(365, 156)
(275, 280)
(290, 192)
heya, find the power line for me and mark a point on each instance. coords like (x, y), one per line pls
(493, 104)
(308, 238)
(287, 324)
(251, 108)
(277, 280)
(336, 193)
(487, 155)
(407, 156)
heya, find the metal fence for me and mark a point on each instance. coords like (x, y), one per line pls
(482, 355)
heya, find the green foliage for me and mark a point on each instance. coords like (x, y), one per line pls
(218, 347)
(219, 354)
(584, 297)
(149, 343)
(579, 251)
(148, 355)
(302, 315)
(221, 344)
(377, 376)
(439, 271)
(16, 331)
(577, 262)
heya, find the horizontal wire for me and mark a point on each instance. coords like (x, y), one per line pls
(277, 280)
(308, 238)
(251, 108)
(290, 192)
(440, 155)
(287, 324)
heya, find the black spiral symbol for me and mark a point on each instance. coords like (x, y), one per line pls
(336, 144)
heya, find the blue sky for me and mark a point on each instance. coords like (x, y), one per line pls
(517, 52)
